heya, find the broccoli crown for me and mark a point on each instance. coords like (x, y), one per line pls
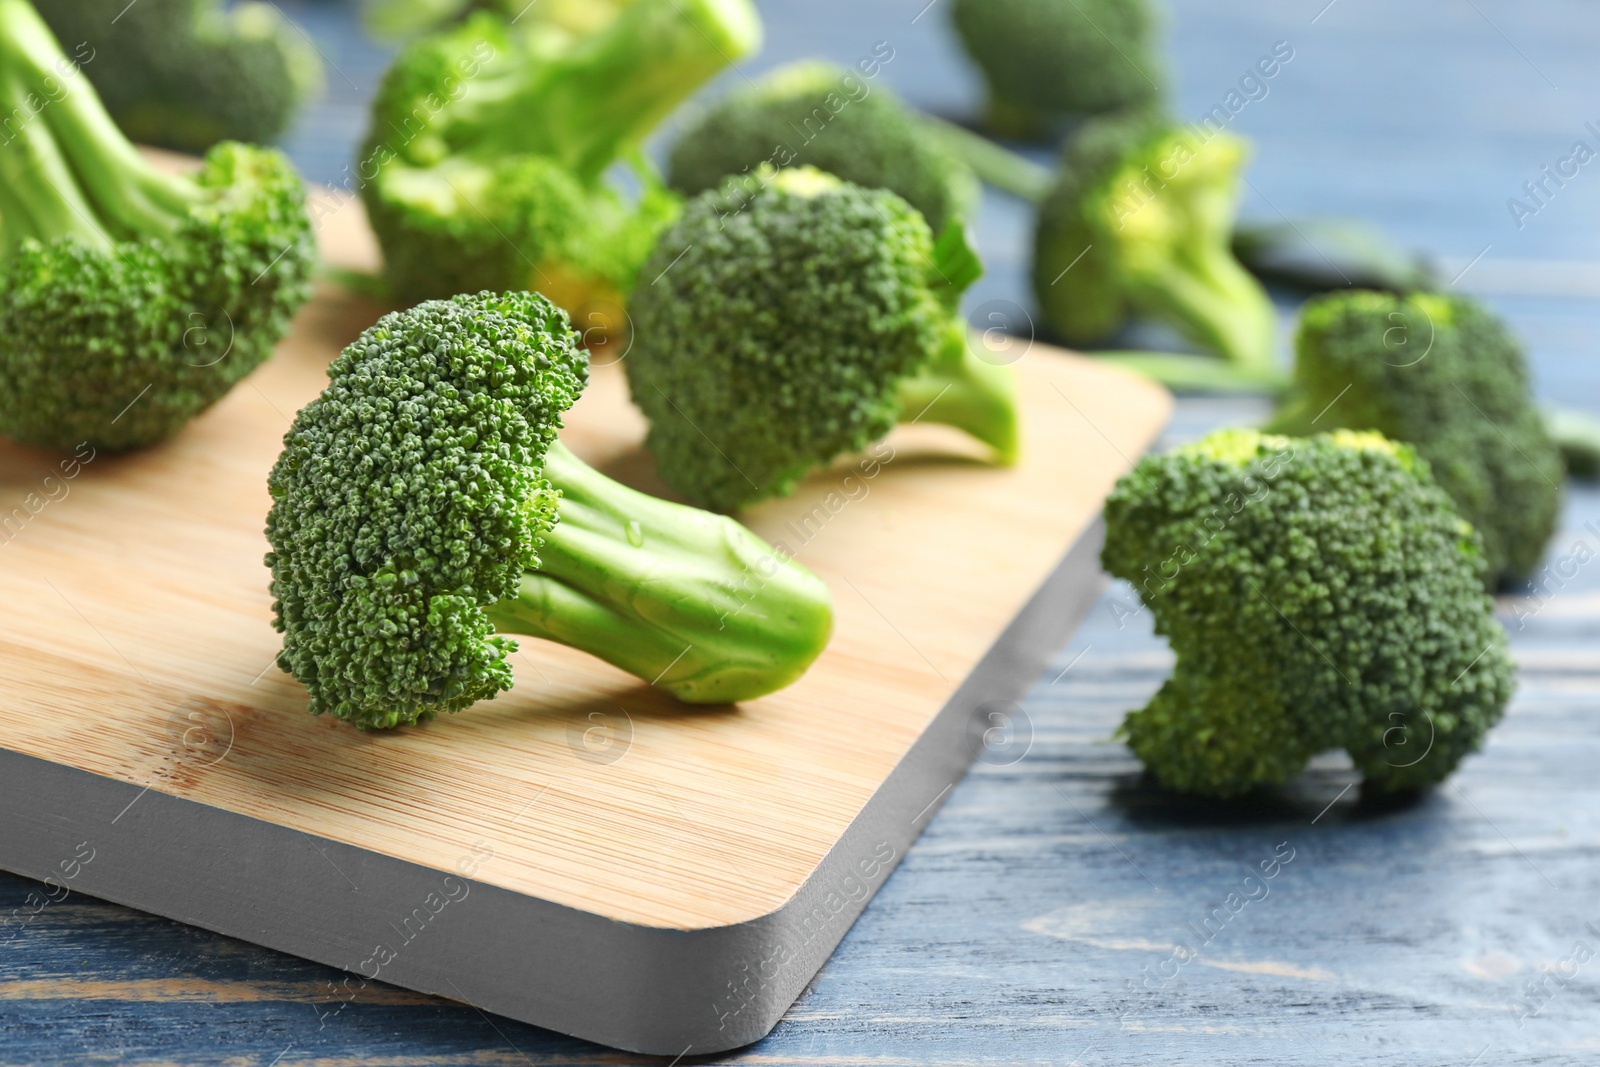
(129, 300)
(1443, 374)
(484, 163)
(1139, 221)
(816, 114)
(1046, 59)
(780, 315)
(410, 497)
(185, 73)
(1318, 593)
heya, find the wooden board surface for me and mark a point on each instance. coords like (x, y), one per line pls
(137, 647)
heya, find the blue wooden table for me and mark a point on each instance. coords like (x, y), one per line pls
(1056, 911)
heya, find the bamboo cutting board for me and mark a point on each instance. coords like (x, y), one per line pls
(582, 853)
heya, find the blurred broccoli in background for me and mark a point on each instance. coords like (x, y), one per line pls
(399, 19)
(1050, 60)
(816, 114)
(1319, 254)
(1319, 594)
(1577, 433)
(486, 159)
(1444, 375)
(1139, 222)
(186, 74)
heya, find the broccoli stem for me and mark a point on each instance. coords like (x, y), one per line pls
(999, 167)
(1198, 374)
(958, 388)
(1017, 121)
(685, 599)
(66, 169)
(1220, 306)
(611, 90)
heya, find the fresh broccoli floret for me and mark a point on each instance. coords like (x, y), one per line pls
(1444, 375)
(1139, 223)
(790, 317)
(422, 505)
(187, 73)
(130, 300)
(1049, 60)
(484, 167)
(817, 114)
(1319, 594)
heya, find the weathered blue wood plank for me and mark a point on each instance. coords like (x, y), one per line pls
(1022, 927)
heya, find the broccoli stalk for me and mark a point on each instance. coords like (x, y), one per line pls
(130, 300)
(422, 507)
(65, 169)
(957, 388)
(793, 317)
(586, 107)
(994, 164)
(1322, 254)
(1318, 594)
(489, 147)
(668, 593)
(556, 19)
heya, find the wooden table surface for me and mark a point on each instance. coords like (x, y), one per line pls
(1037, 919)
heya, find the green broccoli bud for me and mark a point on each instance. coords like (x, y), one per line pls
(1319, 594)
(1139, 222)
(187, 74)
(484, 165)
(1046, 61)
(1443, 374)
(816, 114)
(791, 317)
(130, 300)
(422, 508)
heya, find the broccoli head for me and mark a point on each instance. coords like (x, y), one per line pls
(484, 166)
(186, 73)
(130, 300)
(820, 115)
(1443, 374)
(790, 317)
(1319, 594)
(1049, 60)
(422, 506)
(1139, 222)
